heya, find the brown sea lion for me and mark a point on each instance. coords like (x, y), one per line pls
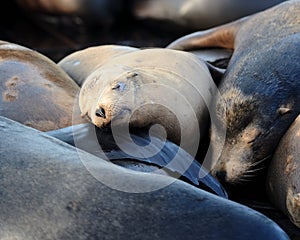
(260, 89)
(151, 86)
(283, 180)
(82, 63)
(34, 90)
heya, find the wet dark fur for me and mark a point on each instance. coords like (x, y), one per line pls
(261, 87)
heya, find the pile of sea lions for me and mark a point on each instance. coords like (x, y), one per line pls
(104, 144)
(53, 190)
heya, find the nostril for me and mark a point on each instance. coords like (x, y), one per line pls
(221, 175)
(100, 112)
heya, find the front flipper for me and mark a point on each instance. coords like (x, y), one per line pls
(222, 36)
(171, 159)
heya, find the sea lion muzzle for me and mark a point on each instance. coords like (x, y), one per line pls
(100, 113)
(221, 175)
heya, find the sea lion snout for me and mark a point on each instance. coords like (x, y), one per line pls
(234, 165)
(229, 172)
(221, 175)
(100, 112)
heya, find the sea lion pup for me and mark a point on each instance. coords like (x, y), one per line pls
(80, 64)
(34, 90)
(260, 89)
(151, 86)
(51, 194)
(283, 179)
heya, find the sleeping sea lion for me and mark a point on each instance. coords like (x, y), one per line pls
(151, 86)
(49, 194)
(260, 89)
(34, 90)
(283, 179)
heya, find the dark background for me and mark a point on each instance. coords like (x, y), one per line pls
(57, 36)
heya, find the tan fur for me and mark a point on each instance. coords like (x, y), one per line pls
(284, 176)
(35, 91)
(159, 86)
(82, 63)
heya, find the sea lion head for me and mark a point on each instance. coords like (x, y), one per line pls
(126, 96)
(253, 125)
(106, 95)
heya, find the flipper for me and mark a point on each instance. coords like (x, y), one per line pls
(84, 137)
(222, 36)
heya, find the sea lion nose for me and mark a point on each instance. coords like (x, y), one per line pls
(100, 112)
(221, 175)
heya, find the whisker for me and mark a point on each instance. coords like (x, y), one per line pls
(249, 176)
(255, 170)
(244, 179)
(260, 161)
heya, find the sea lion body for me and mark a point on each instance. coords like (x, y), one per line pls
(50, 194)
(151, 86)
(34, 90)
(195, 15)
(260, 89)
(283, 180)
(80, 64)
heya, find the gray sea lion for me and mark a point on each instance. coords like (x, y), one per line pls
(283, 180)
(34, 90)
(196, 14)
(260, 89)
(80, 64)
(49, 194)
(151, 86)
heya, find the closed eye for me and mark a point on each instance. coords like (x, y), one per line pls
(119, 86)
(255, 138)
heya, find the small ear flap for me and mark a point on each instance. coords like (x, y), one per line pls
(216, 73)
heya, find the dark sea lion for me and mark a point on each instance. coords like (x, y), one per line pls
(260, 89)
(49, 194)
(195, 15)
(34, 90)
(283, 180)
(88, 137)
(80, 64)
